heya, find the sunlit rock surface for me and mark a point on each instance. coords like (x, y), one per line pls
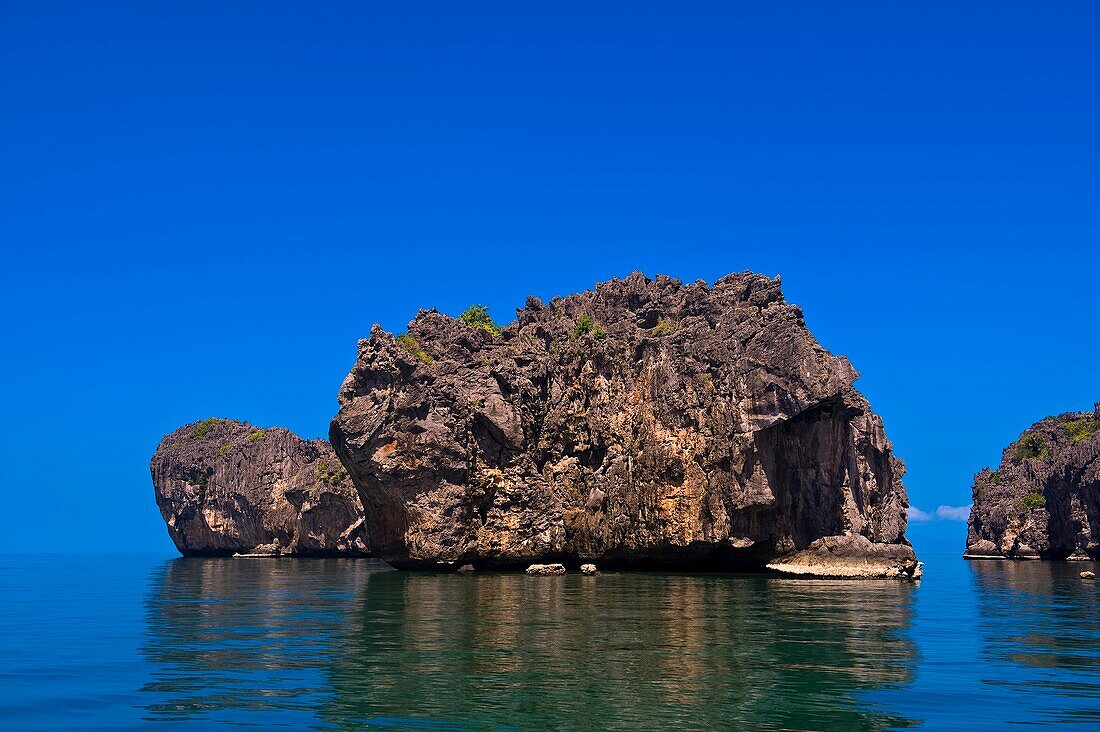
(641, 423)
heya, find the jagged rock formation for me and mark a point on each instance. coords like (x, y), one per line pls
(643, 422)
(1043, 501)
(226, 487)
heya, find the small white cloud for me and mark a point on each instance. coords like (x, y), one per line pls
(953, 513)
(942, 513)
(915, 514)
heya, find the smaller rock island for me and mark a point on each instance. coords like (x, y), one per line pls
(1043, 500)
(225, 487)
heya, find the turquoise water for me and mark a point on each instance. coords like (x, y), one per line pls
(122, 642)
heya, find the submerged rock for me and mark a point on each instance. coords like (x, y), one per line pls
(1043, 500)
(226, 487)
(641, 423)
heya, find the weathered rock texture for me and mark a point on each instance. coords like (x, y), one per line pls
(643, 422)
(545, 570)
(1043, 501)
(226, 487)
(853, 555)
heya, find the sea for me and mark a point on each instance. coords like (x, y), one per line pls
(131, 641)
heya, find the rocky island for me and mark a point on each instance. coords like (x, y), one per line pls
(226, 487)
(1043, 500)
(644, 423)
(641, 423)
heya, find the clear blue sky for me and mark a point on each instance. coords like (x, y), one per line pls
(204, 206)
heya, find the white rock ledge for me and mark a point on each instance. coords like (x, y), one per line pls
(851, 557)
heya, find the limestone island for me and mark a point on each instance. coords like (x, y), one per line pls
(1043, 500)
(640, 424)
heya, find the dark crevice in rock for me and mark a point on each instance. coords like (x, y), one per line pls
(807, 464)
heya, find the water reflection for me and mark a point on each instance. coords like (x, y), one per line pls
(653, 651)
(340, 644)
(229, 639)
(1044, 620)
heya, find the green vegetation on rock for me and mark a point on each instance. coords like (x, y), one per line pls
(330, 476)
(1032, 445)
(256, 436)
(586, 325)
(202, 429)
(477, 316)
(1080, 430)
(664, 327)
(411, 345)
(1032, 501)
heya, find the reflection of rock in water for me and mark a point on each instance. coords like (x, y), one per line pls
(235, 640)
(1040, 617)
(230, 637)
(628, 651)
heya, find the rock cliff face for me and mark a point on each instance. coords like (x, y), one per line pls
(641, 423)
(226, 487)
(1043, 501)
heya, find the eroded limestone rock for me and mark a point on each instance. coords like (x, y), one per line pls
(226, 487)
(641, 423)
(1043, 501)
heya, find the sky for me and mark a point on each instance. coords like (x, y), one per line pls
(204, 205)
